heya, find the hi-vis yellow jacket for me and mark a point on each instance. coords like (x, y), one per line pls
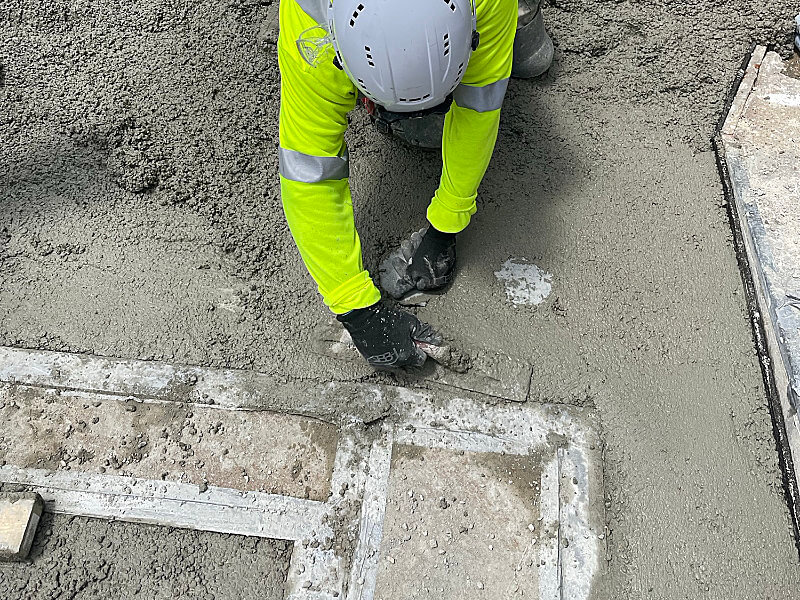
(313, 157)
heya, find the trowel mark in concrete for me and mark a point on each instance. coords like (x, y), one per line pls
(525, 283)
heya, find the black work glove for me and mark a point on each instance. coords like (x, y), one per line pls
(425, 261)
(432, 263)
(385, 335)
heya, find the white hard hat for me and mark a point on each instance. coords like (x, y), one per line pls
(406, 55)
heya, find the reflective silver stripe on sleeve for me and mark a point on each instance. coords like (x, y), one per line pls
(312, 169)
(481, 98)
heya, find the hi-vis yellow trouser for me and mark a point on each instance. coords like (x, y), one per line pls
(314, 162)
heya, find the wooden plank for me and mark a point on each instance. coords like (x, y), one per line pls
(19, 517)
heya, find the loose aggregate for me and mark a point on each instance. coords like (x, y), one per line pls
(140, 217)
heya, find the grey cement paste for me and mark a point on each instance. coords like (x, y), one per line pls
(140, 217)
(74, 557)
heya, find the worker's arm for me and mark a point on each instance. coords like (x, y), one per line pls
(470, 127)
(314, 169)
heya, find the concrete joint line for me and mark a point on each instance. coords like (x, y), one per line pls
(170, 503)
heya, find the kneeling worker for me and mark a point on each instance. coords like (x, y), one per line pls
(408, 58)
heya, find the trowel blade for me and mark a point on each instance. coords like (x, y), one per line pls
(483, 372)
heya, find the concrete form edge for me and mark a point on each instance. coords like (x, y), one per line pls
(773, 367)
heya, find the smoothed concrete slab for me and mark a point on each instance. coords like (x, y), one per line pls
(202, 445)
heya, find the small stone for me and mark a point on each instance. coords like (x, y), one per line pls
(390, 559)
(480, 585)
(433, 544)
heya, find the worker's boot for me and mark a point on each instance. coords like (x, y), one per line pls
(423, 132)
(533, 48)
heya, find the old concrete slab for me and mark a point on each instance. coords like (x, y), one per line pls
(528, 474)
(462, 524)
(170, 441)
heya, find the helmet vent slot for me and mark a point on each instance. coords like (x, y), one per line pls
(363, 86)
(369, 56)
(446, 44)
(451, 4)
(356, 13)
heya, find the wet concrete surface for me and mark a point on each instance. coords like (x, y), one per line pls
(75, 557)
(141, 218)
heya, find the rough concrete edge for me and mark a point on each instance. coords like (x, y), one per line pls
(775, 401)
(227, 388)
(578, 521)
(314, 573)
(745, 79)
(164, 503)
(550, 579)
